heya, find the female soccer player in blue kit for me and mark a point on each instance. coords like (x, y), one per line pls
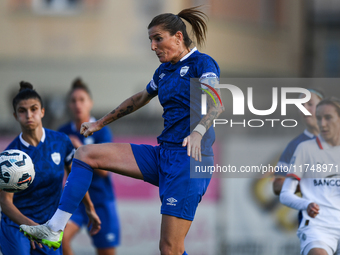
(50, 152)
(101, 188)
(166, 165)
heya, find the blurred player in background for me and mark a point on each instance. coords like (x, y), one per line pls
(310, 132)
(50, 152)
(167, 165)
(101, 188)
(315, 167)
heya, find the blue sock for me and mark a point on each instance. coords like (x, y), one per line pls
(77, 184)
(185, 253)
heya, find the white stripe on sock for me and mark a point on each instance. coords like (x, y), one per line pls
(59, 220)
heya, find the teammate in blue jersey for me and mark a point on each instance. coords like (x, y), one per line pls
(183, 143)
(50, 152)
(310, 132)
(101, 189)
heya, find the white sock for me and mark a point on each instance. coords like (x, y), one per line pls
(59, 220)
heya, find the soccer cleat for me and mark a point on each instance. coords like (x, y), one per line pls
(43, 234)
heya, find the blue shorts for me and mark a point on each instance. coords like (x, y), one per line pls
(168, 167)
(12, 241)
(109, 234)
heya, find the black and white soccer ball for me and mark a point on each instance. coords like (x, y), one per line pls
(16, 170)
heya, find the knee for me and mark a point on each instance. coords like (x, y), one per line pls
(83, 153)
(66, 247)
(169, 248)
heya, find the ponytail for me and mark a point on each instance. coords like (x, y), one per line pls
(196, 19)
(174, 23)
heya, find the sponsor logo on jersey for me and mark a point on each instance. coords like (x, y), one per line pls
(56, 158)
(161, 76)
(208, 75)
(327, 182)
(171, 201)
(184, 70)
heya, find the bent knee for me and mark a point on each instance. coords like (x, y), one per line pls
(83, 153)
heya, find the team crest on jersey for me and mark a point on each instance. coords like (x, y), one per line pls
(56, 157)
(184, 70)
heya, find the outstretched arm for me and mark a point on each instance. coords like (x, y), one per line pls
(193, 141)
(128, 106)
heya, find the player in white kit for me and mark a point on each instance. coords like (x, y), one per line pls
(315, 166)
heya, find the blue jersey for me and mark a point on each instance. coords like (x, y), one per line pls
(172, 84)
(288, 153)
(101, 188)
(41, 199)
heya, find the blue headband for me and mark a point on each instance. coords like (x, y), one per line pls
(316, 93)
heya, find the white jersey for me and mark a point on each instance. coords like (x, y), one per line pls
(316, 165)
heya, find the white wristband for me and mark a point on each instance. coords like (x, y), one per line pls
(200, 129)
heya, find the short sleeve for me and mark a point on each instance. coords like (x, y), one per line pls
(69, 150)
(208, 72)
(284, 161)
(299, 159)
(152, 87)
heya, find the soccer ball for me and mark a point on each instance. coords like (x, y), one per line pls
(16, 170)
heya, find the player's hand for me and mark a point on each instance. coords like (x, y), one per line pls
(75, 141)
(33, 245)
(94, 221)
(313, 210)
(88, 128)
(193, 143)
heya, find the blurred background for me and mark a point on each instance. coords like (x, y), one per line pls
(51, 42)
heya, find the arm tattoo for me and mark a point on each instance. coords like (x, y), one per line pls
(213, 112)
(122, 112)
(128, 110)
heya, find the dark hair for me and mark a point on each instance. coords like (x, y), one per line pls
(331, 101)
(26, 91)
(79, 84)
(173, 23)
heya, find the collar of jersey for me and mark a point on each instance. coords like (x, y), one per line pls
(325, 145)
(27, 144)
(309, 134)
(188, 54)
(73, 124)
(171, 67)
